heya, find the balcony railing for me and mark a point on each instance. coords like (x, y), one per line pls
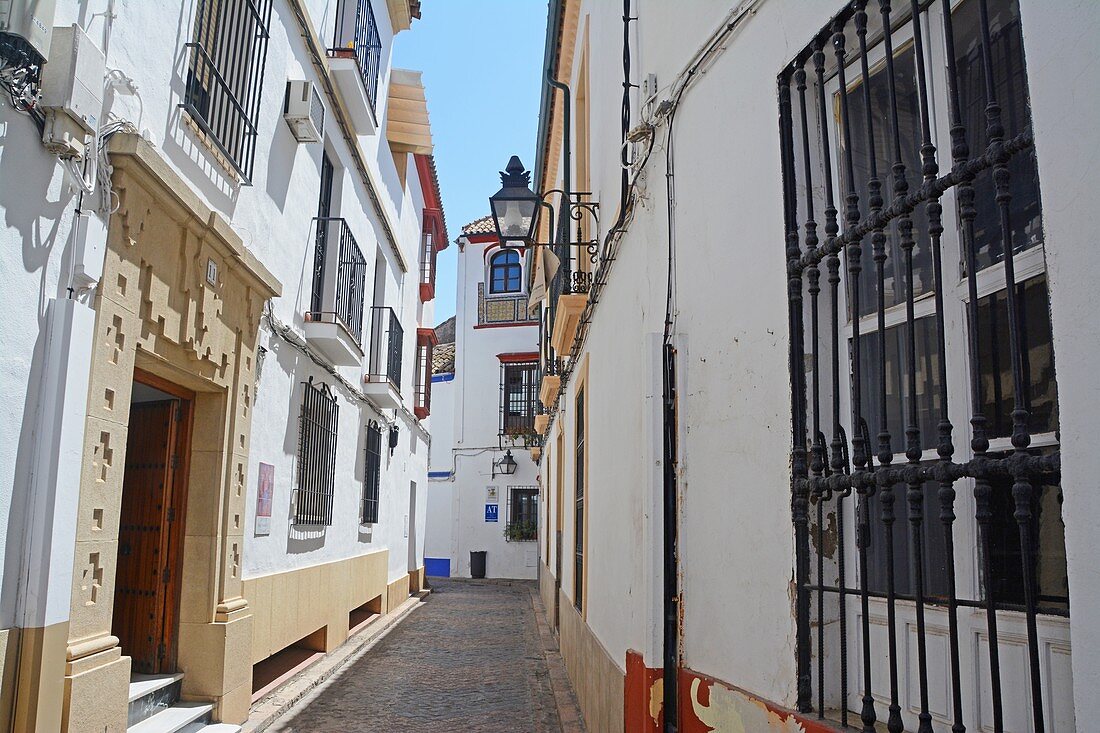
(386, 341)
(357, 36)
(339, 287)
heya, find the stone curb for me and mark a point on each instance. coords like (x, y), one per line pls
(282, 700)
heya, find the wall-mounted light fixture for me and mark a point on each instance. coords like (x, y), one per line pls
(515, 209)
(505, 466)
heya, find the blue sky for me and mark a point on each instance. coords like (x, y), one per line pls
(482, 64)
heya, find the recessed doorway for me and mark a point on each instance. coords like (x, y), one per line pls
(150, 538)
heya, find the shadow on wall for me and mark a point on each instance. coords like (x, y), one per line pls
(37, 220)
(284, 148)
(300, 538)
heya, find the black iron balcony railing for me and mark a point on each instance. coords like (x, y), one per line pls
(386, 341)
(338, 296)
(357, 37)
(225, 74)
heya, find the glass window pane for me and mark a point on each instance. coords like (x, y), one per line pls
(897, 388)
(910, 135)
(995, 360)
(1048, 552)
(1010, 79)
(933, 550)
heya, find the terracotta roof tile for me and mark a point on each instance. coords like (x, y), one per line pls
(443, 358)
(484, 225)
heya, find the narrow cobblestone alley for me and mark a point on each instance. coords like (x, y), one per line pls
(475, 657)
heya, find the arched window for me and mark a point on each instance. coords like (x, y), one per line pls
(504, 272)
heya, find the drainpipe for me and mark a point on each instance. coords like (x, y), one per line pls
(566, 176)
(671, 559)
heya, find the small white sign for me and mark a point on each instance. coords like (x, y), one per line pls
(491, 495)
(212, 271)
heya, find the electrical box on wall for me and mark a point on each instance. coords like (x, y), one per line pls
(27, 24)
(304, 111)
(72, 91)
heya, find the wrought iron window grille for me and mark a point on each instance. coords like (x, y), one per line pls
(372, 474)
(386, 344)
(317, 429)
(858, 148)
(523, 514)
(337, 297)
(225, 74)
(519, 385)
(356, 36)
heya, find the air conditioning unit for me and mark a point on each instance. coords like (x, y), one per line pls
(25, 26)
(304, 111)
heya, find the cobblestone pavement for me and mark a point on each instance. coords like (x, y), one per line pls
(471, 659)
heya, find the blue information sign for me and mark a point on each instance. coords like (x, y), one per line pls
(491, 512)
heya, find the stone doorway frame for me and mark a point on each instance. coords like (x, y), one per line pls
(180, 298)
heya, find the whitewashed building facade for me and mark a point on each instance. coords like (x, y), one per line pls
(486, 393)
(219, 267)
(771, 499)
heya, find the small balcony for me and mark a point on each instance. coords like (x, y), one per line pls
(383, 378)
(334, 322)
(356, 61)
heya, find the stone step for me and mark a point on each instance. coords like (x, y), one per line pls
(151, 693)
(175, 719)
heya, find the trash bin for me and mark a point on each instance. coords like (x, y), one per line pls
(477, 563)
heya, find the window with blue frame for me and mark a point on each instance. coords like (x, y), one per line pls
(504, 272)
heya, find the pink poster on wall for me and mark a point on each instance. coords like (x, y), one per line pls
(264, 497)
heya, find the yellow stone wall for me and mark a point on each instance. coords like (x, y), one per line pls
(598, 681)
(291, 605)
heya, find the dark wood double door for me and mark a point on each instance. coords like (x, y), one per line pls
(150, 537)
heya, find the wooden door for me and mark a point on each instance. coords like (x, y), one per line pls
(144, 609)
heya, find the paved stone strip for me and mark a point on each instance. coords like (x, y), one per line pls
(282, 700)
(472, 658)
(569, 711)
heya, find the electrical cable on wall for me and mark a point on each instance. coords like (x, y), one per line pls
(287, 333)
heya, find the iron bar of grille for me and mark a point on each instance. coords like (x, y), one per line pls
(343, 304)
(519, 395)
(386, 344)
(356, 34)
(316, 455)
(860, 437)
(372, 473)
(906, 243)
(226, 64)
(1021, 438)
(320, 247)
